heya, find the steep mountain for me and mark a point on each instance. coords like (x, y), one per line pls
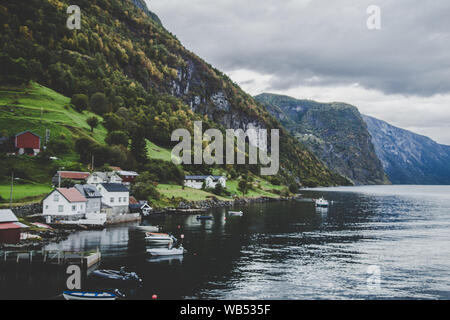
(152, 84)
(409, 158)
(334, 132)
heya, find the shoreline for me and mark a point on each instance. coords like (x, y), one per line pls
(57, 235)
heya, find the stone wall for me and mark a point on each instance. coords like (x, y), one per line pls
(28, 210)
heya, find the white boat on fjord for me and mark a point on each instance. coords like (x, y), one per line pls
(322, 203)
(158, 252)
(159, 237)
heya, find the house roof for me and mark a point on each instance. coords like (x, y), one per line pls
(202, 177)
(72, 194)
(9, 225)
(115, 187)
(27, 131)
(7, 215)
(73, 175)
(88, 191)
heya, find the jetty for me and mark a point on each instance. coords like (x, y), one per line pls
(85, 260)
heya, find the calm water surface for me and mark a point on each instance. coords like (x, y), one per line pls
(284, 250)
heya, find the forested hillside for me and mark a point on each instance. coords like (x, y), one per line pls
(124, 66)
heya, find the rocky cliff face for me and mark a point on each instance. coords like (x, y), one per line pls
(409, 158)
(334, 132)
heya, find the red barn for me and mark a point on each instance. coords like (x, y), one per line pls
(28, 143)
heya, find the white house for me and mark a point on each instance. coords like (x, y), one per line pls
(64, 204)
(196, 182)
(115, 196)
(97, 178)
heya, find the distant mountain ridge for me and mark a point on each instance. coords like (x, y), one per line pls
(407, 157)
(335, 132)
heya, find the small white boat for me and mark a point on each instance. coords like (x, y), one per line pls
(236, 213)
(158, 252)
(89, 296)
(322, 203)
(159, 237)
(148, 228)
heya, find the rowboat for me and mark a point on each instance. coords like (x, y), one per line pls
(159, 237)
(117, 277)
(89, 296)
(322, 203)
(148, 228)
(158, 252)
(236, 213)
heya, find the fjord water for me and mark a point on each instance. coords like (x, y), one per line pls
(287, 250)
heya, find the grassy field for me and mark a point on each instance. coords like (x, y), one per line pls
(190, 194)
(38, 108)
(24, 191)
(155, 152)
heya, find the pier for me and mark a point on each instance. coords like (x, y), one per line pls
(85, 260)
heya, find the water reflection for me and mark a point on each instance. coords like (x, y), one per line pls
(286, 250)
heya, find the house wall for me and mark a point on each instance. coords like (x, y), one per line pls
(93, 205)
(193, 184)
(51, 207)
(96, 180)
(197, 184)
(28, 141)
(112, 199)
(10, 236)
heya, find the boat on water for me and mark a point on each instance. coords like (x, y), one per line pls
(235, 213)
(322, 203)
(117, 277)
(204, 217)
(90, 296)
(148, 228)
(159, 252)
(159, 237)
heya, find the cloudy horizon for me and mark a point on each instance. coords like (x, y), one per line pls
(323, 51)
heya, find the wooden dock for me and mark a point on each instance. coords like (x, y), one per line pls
(53, 257)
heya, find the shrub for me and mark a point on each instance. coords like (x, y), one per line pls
(99, 103)
(80, 102)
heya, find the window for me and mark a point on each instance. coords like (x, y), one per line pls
(46, 207)
(120, 199)
(56, 197)
(111, 200)
(60, 208)
(74, 208)
(81, 207)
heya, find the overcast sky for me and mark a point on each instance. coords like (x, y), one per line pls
(323, 50)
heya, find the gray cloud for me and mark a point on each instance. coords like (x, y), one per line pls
(297, 40)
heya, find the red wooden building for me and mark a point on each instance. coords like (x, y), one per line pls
(28, 143)
(10, 227)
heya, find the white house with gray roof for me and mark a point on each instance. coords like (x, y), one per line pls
(115, 196)
(197, 182)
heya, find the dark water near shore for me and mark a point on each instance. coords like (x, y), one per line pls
(283, 250)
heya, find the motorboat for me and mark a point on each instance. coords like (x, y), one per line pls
(117, 277)
(158, 252)
(204, 217)
(160, 237)
(90, 296)
(148, 228)
(322, 203)
(236, 213)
